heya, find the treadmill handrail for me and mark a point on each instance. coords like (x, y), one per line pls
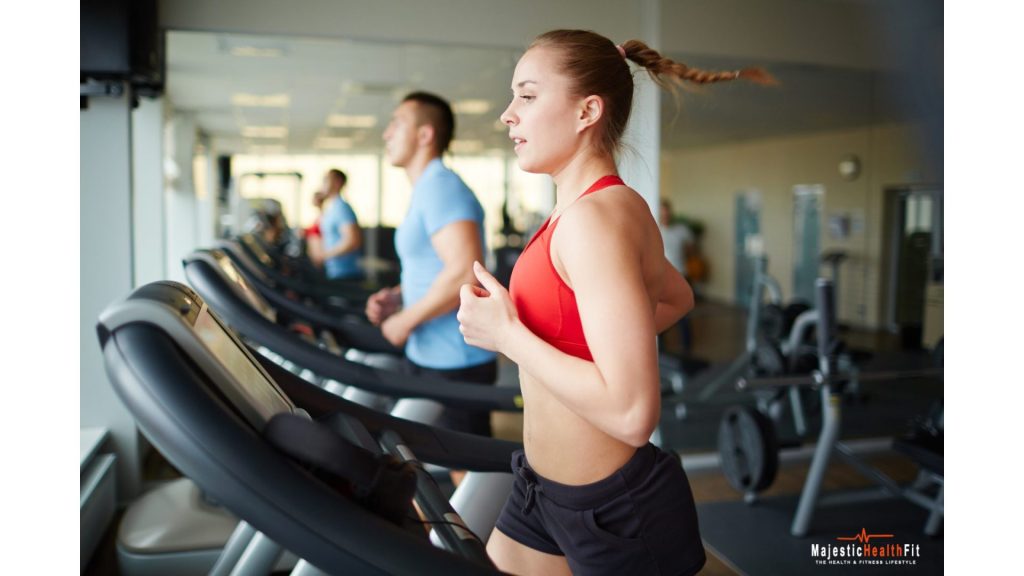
(268, 279)
(325, 288)
(215, 289)
(359, 334)
(441, 446)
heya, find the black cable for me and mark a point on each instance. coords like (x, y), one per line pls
(450, 523)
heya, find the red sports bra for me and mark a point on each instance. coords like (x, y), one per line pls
(546, 305)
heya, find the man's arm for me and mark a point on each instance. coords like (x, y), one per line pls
(383, 303)
(457, 245)
(351, 240)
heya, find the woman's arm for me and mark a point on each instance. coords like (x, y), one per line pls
(675, 299)
(618, 392)
(315, 249)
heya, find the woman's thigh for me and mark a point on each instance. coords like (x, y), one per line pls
(515, 558)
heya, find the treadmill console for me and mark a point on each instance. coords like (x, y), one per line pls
(251, 295)
(182, 314)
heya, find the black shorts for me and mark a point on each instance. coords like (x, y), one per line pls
(639, 520)
(470, 421)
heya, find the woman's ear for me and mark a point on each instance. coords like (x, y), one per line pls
(589, 112)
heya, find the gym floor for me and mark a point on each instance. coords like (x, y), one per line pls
(717, 338)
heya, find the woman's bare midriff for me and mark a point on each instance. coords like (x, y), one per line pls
(563, 447)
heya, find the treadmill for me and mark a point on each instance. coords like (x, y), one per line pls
(205, 271)
(364, 379)
(173, 530)
(339, 327)
(279, 268)
(216, 411)
(274, 290)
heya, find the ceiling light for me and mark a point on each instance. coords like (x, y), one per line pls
(466, 146)
(370, 88)
(333, 143)
(264, 131)
(350, 87)
(261, 100)
(266, 149)
(251, 46)
(473, 107)
(256, 52)
(351, 121)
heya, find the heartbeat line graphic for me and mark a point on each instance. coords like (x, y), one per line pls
(864, 536)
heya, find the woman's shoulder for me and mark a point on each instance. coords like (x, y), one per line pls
(611, 209)
(617, 202)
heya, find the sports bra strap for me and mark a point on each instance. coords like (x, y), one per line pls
(602, 183)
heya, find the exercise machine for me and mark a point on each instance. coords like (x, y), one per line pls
(749, 449)
(228, 421)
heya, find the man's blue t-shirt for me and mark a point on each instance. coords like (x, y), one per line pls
(439, 198)
(338, 214)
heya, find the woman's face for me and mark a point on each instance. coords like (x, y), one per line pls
(542, 117)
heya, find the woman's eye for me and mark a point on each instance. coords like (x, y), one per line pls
(527, 98)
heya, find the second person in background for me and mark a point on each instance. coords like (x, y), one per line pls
(311, 234)
(341, 235)
(678, 240)
(437, 242)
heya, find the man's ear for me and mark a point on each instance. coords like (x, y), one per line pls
(425, 135)
(590, 110)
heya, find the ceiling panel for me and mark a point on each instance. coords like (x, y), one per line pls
(323, 77)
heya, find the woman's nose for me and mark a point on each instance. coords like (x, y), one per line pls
(507, 117)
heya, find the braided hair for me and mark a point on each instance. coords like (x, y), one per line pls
(594, 65)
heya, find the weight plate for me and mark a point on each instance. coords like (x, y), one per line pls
(748, 448)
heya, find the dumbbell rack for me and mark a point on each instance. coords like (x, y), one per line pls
(830, 382)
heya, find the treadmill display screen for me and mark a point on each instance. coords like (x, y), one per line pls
(255, 300)
(254, 395)
(257, 250)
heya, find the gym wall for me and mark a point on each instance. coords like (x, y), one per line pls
(702, 182)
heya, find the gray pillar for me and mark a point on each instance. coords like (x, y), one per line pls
(639, 165)
(206, 195)
(106, 268)
(180, 200)
(148, 191)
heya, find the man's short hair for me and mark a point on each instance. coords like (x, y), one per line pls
(338, 175)
(435, 111)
